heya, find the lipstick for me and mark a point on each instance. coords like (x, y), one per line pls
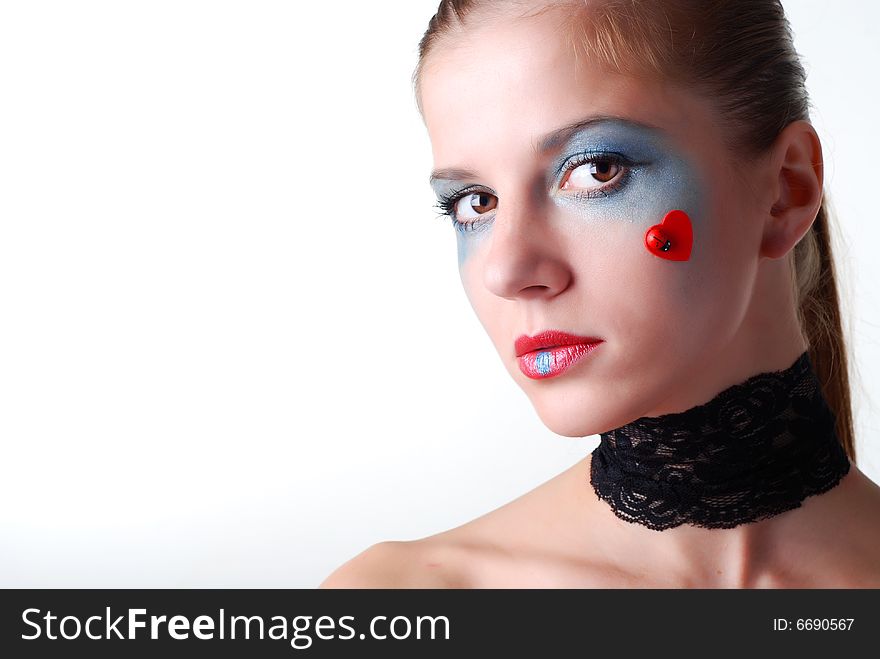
(552, 352)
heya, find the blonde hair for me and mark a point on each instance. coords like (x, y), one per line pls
(739, 53)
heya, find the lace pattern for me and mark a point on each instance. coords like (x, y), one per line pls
(757, 449)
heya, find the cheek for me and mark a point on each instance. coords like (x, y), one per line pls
(468, 242)
(696, 306)
(496, 316)
(647, 303)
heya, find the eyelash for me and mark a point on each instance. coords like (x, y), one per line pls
(446, 203)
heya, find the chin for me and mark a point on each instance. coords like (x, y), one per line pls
(570, 421)
(577, 412)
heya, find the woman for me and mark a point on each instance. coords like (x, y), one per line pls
(637, 194)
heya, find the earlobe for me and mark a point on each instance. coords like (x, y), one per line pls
(799, 176)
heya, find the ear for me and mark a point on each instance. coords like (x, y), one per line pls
(797, 173)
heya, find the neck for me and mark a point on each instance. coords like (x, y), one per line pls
(717, 486)
(758, 555)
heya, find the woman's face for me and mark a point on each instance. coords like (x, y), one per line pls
(556, 172)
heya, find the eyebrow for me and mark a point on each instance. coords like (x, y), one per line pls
(550, 141)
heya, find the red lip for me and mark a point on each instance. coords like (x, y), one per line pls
(550, 339)
(551, 353)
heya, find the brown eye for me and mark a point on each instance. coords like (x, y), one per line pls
(478, 202)
(602, 170)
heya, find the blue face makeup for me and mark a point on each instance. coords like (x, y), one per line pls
(468, 232)
(652, 177)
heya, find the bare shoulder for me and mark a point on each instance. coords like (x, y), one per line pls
(519, 544)
(460, 557)
(396, 564)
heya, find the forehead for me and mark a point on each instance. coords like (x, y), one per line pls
(505, 82)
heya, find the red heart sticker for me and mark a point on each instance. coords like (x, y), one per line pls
(673, 238)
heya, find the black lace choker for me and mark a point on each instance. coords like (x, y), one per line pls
(757, 449)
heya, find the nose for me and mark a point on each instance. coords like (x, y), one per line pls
(526, 257)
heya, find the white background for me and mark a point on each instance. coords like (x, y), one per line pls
(234, 349)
